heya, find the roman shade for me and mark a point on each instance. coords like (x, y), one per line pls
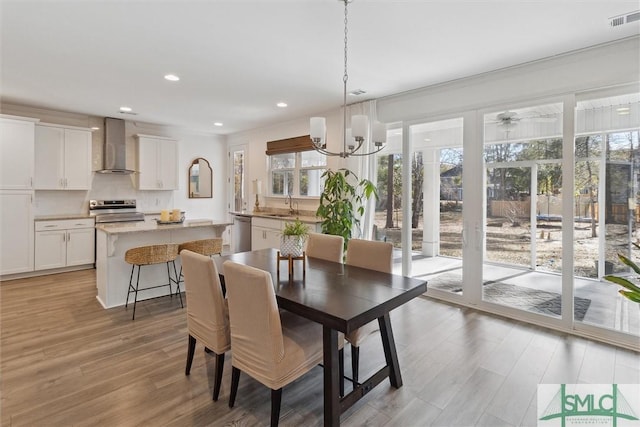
(289, 145)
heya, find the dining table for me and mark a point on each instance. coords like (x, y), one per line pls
(342, 298)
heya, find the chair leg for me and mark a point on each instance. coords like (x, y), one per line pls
(276, 398)
(235, 379)
(355, 354)
(218, 375)
(175, 273)
(341, 370)
(130, 285)
(135, 295)
(191, 348)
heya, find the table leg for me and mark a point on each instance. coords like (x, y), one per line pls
(331, 377)
(389, 345)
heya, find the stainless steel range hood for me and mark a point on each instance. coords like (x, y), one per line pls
(114, 149)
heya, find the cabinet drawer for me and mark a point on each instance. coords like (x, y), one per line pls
(275, 224)
(65, 224)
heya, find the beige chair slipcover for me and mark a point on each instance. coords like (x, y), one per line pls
(374, 255)
(273, 347)
(325, 246)
(207, 311)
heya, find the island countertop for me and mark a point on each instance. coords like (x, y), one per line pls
(152, 225)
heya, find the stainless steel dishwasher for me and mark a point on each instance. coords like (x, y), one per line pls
(241, 233)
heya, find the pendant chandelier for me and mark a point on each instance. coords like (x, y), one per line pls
(359, 123)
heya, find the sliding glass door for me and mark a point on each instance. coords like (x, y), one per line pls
(524, 195)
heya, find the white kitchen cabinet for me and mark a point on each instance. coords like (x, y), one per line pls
(265, 233)
(64, 243)
(62, 158)
(16, 153)
(157, 163)
(16, 232)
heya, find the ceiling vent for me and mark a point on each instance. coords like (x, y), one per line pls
(627, 18)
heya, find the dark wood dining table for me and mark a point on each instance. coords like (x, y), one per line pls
(342, 298)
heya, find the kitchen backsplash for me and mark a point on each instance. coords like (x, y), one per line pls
(103, 187)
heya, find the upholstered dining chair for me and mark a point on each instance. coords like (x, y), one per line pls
(325, 246)
(207, 311)
(274, 347)
(374, 255)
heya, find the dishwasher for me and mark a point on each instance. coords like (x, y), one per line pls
(241, 233)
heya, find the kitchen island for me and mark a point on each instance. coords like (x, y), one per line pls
(113, 240)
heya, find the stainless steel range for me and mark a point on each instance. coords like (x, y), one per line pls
(109, 211)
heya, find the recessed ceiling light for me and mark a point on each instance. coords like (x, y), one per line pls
(172, 77)
(217, 124)
(622, 110)
(95, 128)
(125, 109)
(281, 104)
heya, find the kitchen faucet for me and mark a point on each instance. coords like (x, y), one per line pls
(289, 202)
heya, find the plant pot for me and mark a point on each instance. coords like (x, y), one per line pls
(291, 246)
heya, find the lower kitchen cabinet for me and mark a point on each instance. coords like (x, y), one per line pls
(16, 232)
(64, 243)
(265, 233)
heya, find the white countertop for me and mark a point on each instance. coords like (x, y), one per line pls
(147, 226)
(61, 216)
(275, 215)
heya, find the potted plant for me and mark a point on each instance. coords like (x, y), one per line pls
(342, 202)
(293, 237)
(633, 291)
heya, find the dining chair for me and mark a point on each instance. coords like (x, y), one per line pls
(373, 255)
(325, 246)
(274, 347)
(207, 312)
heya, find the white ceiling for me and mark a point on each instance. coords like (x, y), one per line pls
(237, 59)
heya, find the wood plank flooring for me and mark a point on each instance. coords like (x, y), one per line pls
(67, 361)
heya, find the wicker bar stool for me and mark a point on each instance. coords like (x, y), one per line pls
(206, 247)
(148, 255)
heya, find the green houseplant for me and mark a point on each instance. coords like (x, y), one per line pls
(633, 291)
(342, 202)
(293, 236)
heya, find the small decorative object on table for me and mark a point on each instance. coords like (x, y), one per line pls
(292, 241)
(174, 216)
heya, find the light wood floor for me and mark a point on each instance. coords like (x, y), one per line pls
(66, 361)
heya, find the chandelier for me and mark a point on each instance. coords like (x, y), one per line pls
(359, 123)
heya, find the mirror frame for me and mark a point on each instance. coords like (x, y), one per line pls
(201, 163)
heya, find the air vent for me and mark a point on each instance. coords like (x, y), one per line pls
(627, 18)
(131, 113)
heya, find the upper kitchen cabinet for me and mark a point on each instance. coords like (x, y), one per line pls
(62, 158)
(157, 163)
(16, 153)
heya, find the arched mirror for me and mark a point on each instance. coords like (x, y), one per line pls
(200, 179)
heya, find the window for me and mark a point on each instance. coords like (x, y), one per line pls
(295, 168)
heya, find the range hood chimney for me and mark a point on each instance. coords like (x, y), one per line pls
(114, 149)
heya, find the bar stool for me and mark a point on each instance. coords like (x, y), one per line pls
(148, 255)
(206, 247)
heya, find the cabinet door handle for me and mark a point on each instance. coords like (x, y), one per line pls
(61, 183)
(64, 237)
(66, 183)
(68, 237)
(50, 226)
